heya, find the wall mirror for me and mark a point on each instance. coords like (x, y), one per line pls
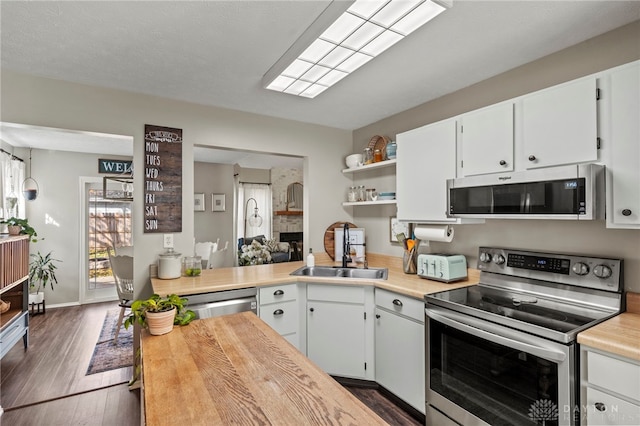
(295, 193)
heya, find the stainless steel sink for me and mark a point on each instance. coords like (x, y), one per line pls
(332, 271)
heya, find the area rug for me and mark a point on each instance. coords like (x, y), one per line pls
(108, 355)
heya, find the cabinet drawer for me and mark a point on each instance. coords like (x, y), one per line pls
(604, 409)
(278, 293)
(400, 304)
(331, 293)
(614, 374)
(13, 332)
(282, 317)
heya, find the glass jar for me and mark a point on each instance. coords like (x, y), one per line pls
(368, 196)
(377, 156)
(192, 266)
(169, 265)
(367, 158)
(361, 193)
(351, 195)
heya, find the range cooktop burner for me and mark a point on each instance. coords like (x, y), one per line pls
(531, 310)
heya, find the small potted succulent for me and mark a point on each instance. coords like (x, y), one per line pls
(17, 226)
(160, 314)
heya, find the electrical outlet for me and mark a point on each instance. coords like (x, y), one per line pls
(167, 241)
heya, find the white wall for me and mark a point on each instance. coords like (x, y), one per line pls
(56, 214)
(46, 102)
(213, 178)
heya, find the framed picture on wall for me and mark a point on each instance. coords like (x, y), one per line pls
(198, 201)
(217, 202)
(398, 227)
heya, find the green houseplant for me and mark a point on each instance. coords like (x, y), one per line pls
(18, 226)
(168, 311)
(42, 271)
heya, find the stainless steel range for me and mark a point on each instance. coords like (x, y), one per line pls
(504, 352)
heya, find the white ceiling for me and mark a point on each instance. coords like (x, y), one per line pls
(216, 52)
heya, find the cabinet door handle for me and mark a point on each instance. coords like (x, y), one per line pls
(503, 163)
(378, 316)
(278, 312)
(278, 293)
(397, 302)
(626, 212)
(532, 158)
(311, 309)
(600, 406)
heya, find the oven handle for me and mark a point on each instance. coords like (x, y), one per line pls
(495, 338)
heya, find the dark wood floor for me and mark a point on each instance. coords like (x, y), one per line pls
(47, 385)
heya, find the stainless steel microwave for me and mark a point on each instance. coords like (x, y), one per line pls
(562, 192)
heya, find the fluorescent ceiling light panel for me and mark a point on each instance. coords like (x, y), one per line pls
(336, 57)
(359, 34)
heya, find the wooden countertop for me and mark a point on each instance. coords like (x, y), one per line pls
(237, 369)
(619, 335)
(277, 273)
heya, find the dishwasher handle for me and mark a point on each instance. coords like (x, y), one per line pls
(225, 307)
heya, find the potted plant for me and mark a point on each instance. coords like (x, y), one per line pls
(42, 271)
(17, 226)
(160, 314)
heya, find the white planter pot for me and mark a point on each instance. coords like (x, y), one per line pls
(160, 322)
(36, 297)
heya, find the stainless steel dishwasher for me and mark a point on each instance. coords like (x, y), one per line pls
(218, 303)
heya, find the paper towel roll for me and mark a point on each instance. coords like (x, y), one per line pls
(442, 233)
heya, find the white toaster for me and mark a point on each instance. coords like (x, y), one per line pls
(442, 267)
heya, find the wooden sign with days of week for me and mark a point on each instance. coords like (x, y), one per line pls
(162, 179)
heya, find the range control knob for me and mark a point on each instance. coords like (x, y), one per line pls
(485, 257)
(602, 271)
(580, 268)
(498, 259)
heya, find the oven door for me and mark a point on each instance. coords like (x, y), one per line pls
(481, 373)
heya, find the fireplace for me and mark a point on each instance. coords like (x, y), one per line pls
(295, 241)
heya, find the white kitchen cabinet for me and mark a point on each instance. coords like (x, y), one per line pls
(399, 347)
(279, 306)
(559, 125)
(426, 159)
(622, 146)
(340, 329)
(610, 388)
(487, 140)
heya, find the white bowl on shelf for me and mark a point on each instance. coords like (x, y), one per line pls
(353, 160)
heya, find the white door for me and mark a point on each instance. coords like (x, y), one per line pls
(105, 223)
(426, 159)
(560, 125)
(335, 337)
(487, 140)
(400, 357)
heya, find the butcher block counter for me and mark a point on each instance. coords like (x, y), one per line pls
(619, 335)
(222, 279)
(235, 369)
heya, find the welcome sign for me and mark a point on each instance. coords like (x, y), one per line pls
(117, 167)
(162, 179)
